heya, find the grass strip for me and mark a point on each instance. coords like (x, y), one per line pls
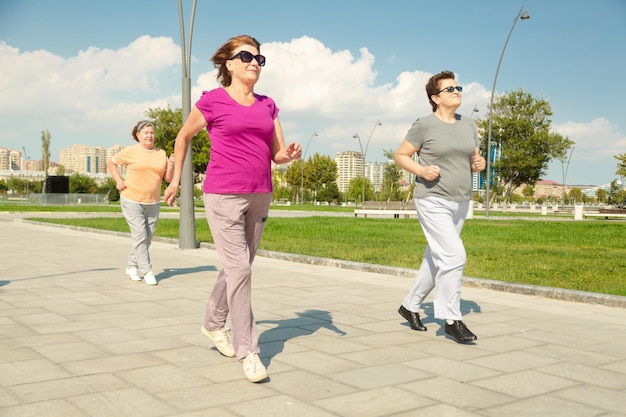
(585, 256)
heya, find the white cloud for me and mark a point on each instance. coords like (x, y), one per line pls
(595, 140)
(96, 94)
(95, 97)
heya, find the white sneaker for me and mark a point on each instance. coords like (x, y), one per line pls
(253, 368)
(221, 339)
(149, 278)
(132, 273)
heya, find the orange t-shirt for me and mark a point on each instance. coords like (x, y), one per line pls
(144, 172)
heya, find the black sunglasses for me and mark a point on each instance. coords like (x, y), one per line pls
(451, 89)
(246, 57)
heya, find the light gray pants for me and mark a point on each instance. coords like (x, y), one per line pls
(237, 223)
(142, 220)
(444, 257)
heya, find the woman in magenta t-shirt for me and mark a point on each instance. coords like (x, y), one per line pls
(246, 136)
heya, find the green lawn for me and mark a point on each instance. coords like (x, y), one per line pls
(577, 255)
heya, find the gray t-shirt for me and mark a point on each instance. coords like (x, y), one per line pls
(449, 146)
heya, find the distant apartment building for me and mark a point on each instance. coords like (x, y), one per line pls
(350, 164)
(10, 160)
(84, 159)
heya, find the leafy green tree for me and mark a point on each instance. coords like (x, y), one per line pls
(82, 184)
(110, 190)
(45, 151)
(3, 187)
(17, 185)
(621, 167)
(614, 196)
(601, 195)
(329, 193)
(576, 195)
(521, 128)
(529, 192)
(391, 177)
(167, 123)
(319, 171)
(293, 173)
(60, 170)
(355, 189)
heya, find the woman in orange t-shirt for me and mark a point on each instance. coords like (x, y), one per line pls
(140, 192)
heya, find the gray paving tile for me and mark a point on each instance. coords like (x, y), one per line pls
(77, 338)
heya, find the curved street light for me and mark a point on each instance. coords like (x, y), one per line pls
(356, 135)
(303, 160)
(474, 111)
(523, 16)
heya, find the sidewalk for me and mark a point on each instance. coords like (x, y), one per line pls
(78, 338)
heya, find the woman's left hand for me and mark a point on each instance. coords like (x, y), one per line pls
(294, 151)
(478, 162)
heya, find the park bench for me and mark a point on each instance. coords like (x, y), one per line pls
(395, 209)
(613, 213)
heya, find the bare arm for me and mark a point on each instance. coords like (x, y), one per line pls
(404, 158)
(169, 169)
(195, 123)
(282, 154)
(119, 182)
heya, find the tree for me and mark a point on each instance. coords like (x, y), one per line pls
(355, 189)
(529, 192)
(621, 167)
(319, 172)
(576, 195)
(329, 193)
(391, 177)
(110, 191)
(167, 123)
(82, 184)
(601, 195)
(521, 130)
(45, 151)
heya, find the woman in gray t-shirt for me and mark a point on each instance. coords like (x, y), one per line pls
(447, 146)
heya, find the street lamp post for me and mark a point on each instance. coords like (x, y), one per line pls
(356, 135)
(564, 169)
(187, 226)
(474, 111)
(303, 160)
(523, 16)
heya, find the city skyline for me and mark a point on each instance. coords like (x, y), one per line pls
(334, 74)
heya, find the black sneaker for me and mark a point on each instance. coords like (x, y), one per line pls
(412, 318)
(460, 332)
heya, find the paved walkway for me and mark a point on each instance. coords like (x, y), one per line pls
(77, 338)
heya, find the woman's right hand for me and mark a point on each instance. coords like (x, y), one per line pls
(430, 172)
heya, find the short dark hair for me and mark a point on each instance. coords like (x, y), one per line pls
(432, 86)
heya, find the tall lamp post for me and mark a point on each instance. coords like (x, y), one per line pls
(187, 226)
(564, 169)
(356, 135)
(523, 16)
(303, 160)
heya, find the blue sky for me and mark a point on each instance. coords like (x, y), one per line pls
(87, 71)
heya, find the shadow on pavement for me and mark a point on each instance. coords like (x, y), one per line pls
(305, 324)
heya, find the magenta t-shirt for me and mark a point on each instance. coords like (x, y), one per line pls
(241, 143)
